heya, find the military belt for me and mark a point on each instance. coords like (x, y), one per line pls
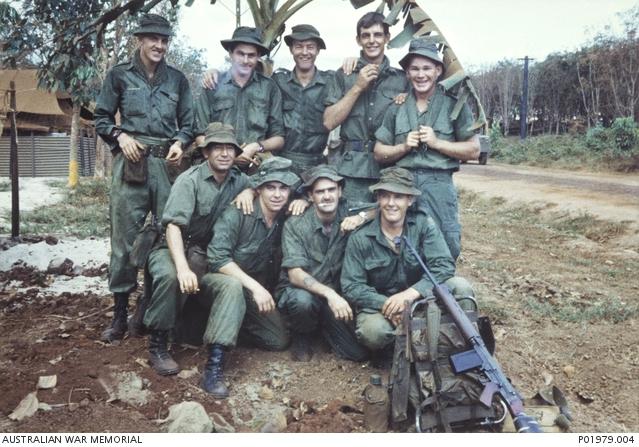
(155, 147)
(359, 145)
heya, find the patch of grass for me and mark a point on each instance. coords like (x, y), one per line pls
(612, 309)
(5, 185)
(587, 225)
(84, 212)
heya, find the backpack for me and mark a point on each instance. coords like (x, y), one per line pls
(422, 373)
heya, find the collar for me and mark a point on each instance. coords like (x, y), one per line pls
(316, 223)
(318, 78)
(374, 229)
(362, 62)
(160, 70)
(227, 78)
(206, 173)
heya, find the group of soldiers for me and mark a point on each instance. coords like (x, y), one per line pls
(262, 239)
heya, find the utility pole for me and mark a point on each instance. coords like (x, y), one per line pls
(238, 14)
(523, 110)
(13, 165)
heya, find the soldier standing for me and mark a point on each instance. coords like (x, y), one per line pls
(313, 249)
(359, 101)
(156, 112)
(421, 136)
(245, 99)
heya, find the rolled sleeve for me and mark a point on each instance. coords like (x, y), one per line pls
(275, 116)
(386, 132)
(106, 108)
(354, 279)
(335, 88)
(202, 112)
(181, 203)
(293, 251)
(463, 124)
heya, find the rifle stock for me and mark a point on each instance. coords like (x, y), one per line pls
(478, 356)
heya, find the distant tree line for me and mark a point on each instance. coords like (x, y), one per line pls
(570, 91)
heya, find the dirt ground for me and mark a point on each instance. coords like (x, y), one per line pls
(555, 301)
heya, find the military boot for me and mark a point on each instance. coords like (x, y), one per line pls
(213, 379)
(161, 360)
(301, 350)
(119, 324)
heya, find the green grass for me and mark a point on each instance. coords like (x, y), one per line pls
(84, 212)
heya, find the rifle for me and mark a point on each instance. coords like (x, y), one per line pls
(478, 355)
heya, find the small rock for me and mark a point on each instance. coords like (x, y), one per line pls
(84, 402)
(73, 406)
(93, 374)
(47, 382)
(220, 424)
(44, 406)
(188, 417)
(58, 359)
(609, 262)
(60, 266)
(266, 393)
(277, 424)
(51, 240)
(569, 371)
(64, 335)
(188, 373)
(26, 408)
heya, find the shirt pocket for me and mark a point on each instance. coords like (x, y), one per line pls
(378, 272)
(288, 109)
(134, 102)
(168, 102)
(443, 127)
(222, 110)
(204, 205)
(258, 109)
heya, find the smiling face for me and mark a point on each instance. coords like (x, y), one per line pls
(243, 59)
(325, 194)
(304, 54)
(423, 73)
(373, 40)
(273, 196)
(220, 156)
(393, 206)
(153, 48)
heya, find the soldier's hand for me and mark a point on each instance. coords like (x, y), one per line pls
(263, 300)
(351, 223)
(367, 75)
(248, 155)
(209, 80)
(340, 307)
(297, 207)
(188, 281)
(349, 64)
(427, 136)
(175, 153)
(412, 139)
(131, 148)
(400, 98)
(395, 305)
(244, 201)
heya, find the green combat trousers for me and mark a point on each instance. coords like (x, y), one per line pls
(307, 313)
(356, 190)
(375, 332)
(224, 311)
(166, 298)
(128, 209)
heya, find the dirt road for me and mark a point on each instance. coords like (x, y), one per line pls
(607, 196)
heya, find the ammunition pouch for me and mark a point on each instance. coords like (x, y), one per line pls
(198, 263)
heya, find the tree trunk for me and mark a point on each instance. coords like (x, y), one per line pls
(73, 147)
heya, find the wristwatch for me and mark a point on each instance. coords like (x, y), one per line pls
(115, 133)
(363, 215)
(261, 148)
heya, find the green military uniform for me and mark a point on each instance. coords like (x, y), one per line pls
(303, 110)
(372, 272)
(306, 245)
(255, 110)
(195, 203)
(357, 164)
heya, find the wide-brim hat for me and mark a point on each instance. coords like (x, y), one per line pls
(310, 176)
(397, 180)
(275, 169)
(304, 32)
(219, 133)
(153, 24)
(424, 48)
(247, 35)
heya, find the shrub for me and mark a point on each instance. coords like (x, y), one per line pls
(598, 138)
(624, 133)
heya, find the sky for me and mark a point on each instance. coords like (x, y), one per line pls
(481, 32)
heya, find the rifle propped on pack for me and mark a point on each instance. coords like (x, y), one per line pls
(478, 356)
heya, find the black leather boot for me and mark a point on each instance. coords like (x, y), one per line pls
(119, 324)
(161, 360)
(213, 379)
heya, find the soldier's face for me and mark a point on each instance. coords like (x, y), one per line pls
(373, 40)
(325, 196)
(393, 206)
(153, 47)
(423, 74)
(273, 196)
(220, 156)
(304, 54)
(244, 59)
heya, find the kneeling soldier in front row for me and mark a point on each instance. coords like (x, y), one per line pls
(380, 276)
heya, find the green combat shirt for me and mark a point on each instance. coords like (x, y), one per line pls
(305, 246)
(247, 241)
(254, 111)
(366, 115)
(402, 119)
(372, 271)
(160, 108)
(303, 109)
(197, 200)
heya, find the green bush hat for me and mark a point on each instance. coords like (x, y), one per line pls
(421, 47)
(397, 180)
(275, 169)
(222, 134)
(304, 32)
(248, 35)
(153, 24)
(310, 176)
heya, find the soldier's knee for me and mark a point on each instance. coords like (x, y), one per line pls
(374, 332)
(301, 302)
(278, 341)
(463, 292)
